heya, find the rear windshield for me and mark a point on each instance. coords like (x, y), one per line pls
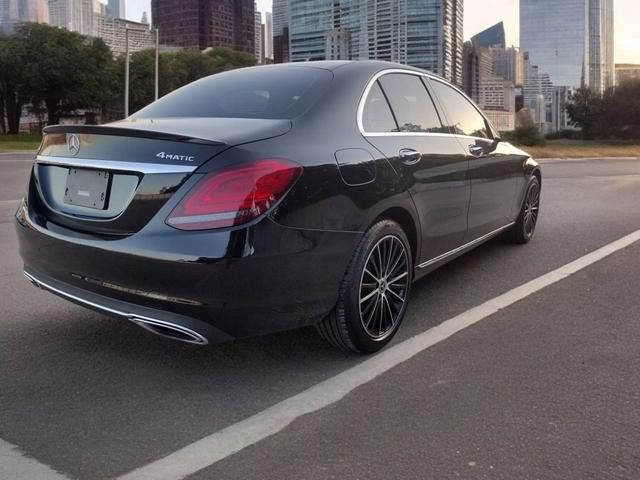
(282, 93)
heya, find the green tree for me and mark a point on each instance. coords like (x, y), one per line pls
(620, 117)
(59, 69)
(13, 56)
(613, 115)
(176, 70)
(54, 73)
(99, 77)
(227, 59)
(585, 109)
(142, 74)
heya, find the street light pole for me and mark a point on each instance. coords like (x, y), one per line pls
(126, 74)
(157, 55)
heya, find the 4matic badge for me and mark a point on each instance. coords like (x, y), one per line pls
(175, 156)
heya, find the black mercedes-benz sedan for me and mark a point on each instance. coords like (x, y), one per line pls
(269, 198)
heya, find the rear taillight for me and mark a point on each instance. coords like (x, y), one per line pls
(234, 196)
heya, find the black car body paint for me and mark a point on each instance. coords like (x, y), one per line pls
(283, 269)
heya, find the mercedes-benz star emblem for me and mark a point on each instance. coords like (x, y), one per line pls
(73, 143)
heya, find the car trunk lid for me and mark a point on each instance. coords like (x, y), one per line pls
(112, 179)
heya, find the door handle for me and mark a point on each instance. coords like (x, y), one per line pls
(476, 150)
(410, 156)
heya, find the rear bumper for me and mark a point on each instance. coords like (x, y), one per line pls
(174, 326)
(217, 284)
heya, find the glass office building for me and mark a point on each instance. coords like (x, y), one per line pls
(601, 45)
(491, 37)
(423, 33)
(571, 40)
(309, 22)
(280, 31)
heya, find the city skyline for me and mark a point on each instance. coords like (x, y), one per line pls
(425, 33)
(480, 14)
(570, 41)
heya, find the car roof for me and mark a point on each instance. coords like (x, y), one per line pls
(372, 66)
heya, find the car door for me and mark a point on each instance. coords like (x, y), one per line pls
(492, 170)
(430, 163)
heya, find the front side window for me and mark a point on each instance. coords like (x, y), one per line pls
(462, 116)
(411, 104)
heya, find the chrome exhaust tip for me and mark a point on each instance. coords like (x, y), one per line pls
(169, 330)
(164, 328)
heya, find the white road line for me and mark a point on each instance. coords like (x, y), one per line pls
(230, 440)
(15, 465)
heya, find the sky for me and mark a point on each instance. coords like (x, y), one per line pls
(480, 14)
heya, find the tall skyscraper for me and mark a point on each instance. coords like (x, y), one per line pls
(16, 11)
(268, 36)
(206, 23)
(601, 45)
(8, 15)
(113, 31)
(538, 94)
(257, 34)
(508, 64)
(477, 66)
(337, 44)
(280, 31)
(422, 33)
(491, 37)
(280, 15)
(74, 15)
(116, 8)
(309, 22)
(493, 93)
(572, 40)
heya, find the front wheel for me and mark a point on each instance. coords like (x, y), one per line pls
(525, 226)
(374, 294)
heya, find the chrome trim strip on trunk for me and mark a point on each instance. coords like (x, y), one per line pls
(191, 336)
(465, 246)
(146, 168)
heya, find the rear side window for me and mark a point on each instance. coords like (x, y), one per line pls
(377, 116)
(412, 106)
(272, 92)
(462, 116)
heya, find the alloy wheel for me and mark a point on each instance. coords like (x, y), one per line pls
(383, 287)
(531, 209)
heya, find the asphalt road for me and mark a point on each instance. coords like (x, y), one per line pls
(546, 388)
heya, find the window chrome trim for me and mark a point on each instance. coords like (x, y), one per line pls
(367, 90)
(146, 168)
(472, 103)
(374, 79)
(426, 134)
(461, 248)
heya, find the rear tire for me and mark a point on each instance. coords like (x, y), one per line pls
(374, 293)
(525, 227)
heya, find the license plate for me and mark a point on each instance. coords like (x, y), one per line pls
(86, 188)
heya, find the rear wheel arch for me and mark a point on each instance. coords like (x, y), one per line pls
(407, 222)
(345, 327)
